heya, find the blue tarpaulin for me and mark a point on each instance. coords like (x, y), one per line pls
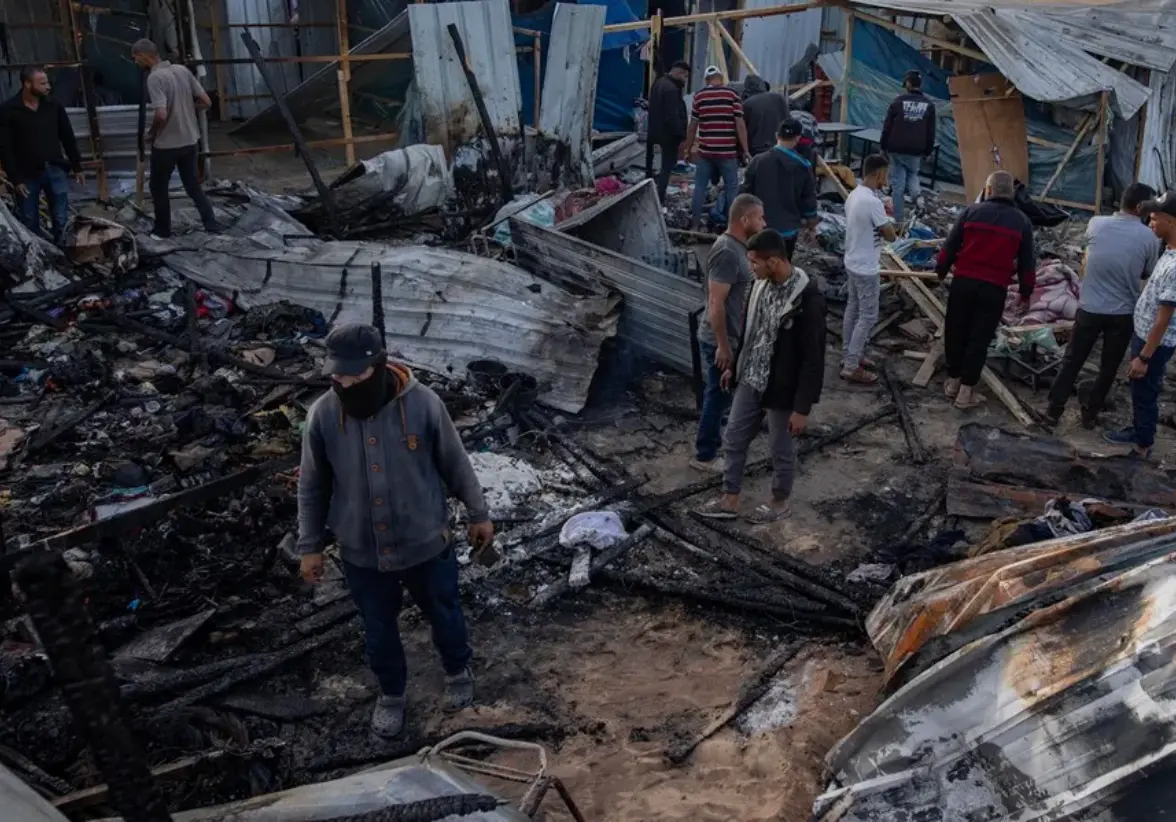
(622, 71)
(880, 59)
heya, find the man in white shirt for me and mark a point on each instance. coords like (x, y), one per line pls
(866, 225)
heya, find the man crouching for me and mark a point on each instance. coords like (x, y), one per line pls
(379, 453)
(779, 372)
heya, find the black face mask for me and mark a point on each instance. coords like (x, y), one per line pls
(364, 399)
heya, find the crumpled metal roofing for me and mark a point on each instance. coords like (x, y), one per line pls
(1030, 45)
(1043, 688)
(442, 308)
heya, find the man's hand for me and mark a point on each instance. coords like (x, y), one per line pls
(480, 534)
(22, 189)
(888, 204)
(312, 568)
(724, 359)
(725, 380)
(692, 153)
(796, 423)
(1137, 370)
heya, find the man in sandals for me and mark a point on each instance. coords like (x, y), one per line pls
(866, 223)
(779, 372)
(990, 245)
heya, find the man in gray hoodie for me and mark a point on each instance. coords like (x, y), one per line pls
(380, 456)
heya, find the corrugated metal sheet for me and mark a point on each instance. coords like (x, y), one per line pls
(655, 317)
(569, 96)
(776, 44)
(1042, 64)
(40, 45)
(442, 308)
(118, 126)
(320, 92)
(1049, 692)
(630, 223)
(244, 79)
(1157, 166)
(450, 114)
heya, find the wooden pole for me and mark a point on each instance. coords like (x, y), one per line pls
(706, 17)
(1102, 151)
(736, 50)
(538, 76)
(1139, 141)
(345, 80)
(716, 41)
(1083, 130)
(846, 85)
(222, 85)
(655, 32)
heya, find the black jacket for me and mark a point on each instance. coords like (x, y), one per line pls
(784, 180)
(32, 140)
(798, 363)
(667, 111)
(910, 125)
(763, 112)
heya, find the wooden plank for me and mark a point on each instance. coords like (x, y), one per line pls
(916, 275)
(846, 85)
(344, 75)
(706, 17)
(717, 46)
(743, 58)
(100, 794)
(836, 180)
(990, 126)
(930, 364)
(946, 45)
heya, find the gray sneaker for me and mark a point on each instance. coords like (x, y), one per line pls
(388, 718)
(459, 692)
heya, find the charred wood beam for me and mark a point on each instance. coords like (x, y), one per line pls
(916, 527)
(914, 442)
(47, 438)
(153, 512)
(378, 302)
(33, 773)
(750, 691)
(303, 149)
(504, 172)
(87, 682)
(601, 561)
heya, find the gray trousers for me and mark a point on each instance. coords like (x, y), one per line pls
(743, 423)
(861, 314)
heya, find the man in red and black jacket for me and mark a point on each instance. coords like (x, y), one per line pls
(991, 243)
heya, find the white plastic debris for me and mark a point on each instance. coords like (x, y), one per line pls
(600, 529)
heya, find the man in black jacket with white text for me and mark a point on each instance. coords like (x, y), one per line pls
(667, 123)
(779, 372)
(908, 135)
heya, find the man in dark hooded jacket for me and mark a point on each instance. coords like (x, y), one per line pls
(763, 111)
(667, 123)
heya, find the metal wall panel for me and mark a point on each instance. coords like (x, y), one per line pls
(569, 94)
(776, 44)
(244, 80)
(40, 45)
(655, 317)
(450, 114)
(1157, 166)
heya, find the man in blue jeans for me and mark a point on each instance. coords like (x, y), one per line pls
(34, 131)
(728, 274)
(716, 123)
(380, 456)
(908, 135)
(1155, 335)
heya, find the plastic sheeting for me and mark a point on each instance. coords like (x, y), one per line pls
(419, 176)
(620, 78)
(775, 44)
(880, 59)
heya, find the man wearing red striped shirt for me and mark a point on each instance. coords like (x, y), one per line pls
(716, 122)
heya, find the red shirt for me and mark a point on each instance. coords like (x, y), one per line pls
(716, 108)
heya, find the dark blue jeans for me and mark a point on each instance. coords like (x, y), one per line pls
(1145, 393)
(715, 402)
(704, 170)
(55, 183)
(379, 596)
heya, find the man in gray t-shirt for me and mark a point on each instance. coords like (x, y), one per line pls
(728, 275)
(1121, 252)
(175, 96)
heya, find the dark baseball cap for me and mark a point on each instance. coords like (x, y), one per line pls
(789, 128)
(352, 349)
(1164, 204)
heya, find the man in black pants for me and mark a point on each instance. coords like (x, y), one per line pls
(175, 96)
(991, 242)
(1121, 252)
(667, 123)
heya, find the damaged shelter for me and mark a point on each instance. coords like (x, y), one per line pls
(1077, 102)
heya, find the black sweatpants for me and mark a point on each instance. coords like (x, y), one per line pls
(974, 308)
(1116, 331)
(669, 159)
(163, 162)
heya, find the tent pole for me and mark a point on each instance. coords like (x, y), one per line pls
(1102, 152)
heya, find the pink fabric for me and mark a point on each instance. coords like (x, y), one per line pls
(1055, 297)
